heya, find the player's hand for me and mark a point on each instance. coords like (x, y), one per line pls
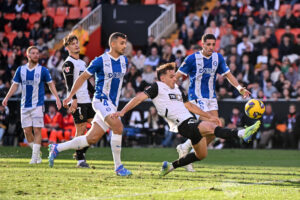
(58, 103)
(215, 120)
(66, 101)
(117, 114)
(244, 92)
(73, 106)
(4, 102)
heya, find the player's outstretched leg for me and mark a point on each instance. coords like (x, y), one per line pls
(53, 153)
(249, 131)
(183, 150)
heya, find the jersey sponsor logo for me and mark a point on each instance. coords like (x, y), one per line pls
(207, 71)
(175, 97)
(67, 69)
(106, 65)
(115, 75)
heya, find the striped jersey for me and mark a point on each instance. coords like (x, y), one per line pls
(203, 72)
(32, 82)
(109, 73)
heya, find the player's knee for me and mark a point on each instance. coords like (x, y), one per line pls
(118, 129)
(201, 155)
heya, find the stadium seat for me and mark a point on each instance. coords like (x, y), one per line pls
(296, 10)
(161, 1)
(282, 9)
(74, 13)
(295, 31)
(278, 34)
(10, 16)
(59, 21)
(51, 11)
(45, 3)
(150, 2)
(27, 34)
(11, 36)
(84, 3)
(7, 28)
(274, 53)
(218, 43)
(62, 11)
(85, 11)
(73, 3)
(33, 18)
(25, 16)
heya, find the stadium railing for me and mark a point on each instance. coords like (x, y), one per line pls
(162, 25)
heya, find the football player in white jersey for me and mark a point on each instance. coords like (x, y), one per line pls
(81, 105)
(202, 68)
(173, 105)
(109, 70)
(32, 78)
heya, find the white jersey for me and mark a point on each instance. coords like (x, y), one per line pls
(72, 69)
(169, 103)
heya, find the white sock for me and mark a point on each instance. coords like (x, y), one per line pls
(116, 143)
(187, 145)
(31, 145)
(36, 151)
(76, 143)
(241, 133)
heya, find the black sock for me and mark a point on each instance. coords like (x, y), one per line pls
(80, 154)
(189, 158)
(225, 133)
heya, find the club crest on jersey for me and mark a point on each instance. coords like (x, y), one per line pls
(67, 69)
(37, 75)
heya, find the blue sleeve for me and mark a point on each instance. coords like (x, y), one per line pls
(95, 66)
(127, 63)
(17, 77)
(222, 68)
(187, 65)
(46, 77)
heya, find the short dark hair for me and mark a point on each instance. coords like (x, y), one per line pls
(161, 70)
(208, 36)
(69, 38)
(115, 36)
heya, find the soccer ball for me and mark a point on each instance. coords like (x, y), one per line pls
(254, 108)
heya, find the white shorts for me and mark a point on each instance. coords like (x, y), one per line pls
(206, 104)
(102, 109)
(32, 117)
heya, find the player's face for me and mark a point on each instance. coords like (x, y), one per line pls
(33, 56)
(73, 47)
(169, 78)
(208, 47)
(119, 45)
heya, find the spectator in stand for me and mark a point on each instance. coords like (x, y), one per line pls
(254, 88)
(46, 21)
(20, 6)
(3, 22)
(8, 6)
(53, 121)
(287, 33)
(213, 29)
(54, 65)
(275, 74)
(227, 38)
(40, 44)
(183, 34)
(288, 19)
(248, 75)
(179, 58)
(250, 27)
(190, 19)
(271, 5)
(244, 45)
(148, 74)
(153, 59)
(3, 121)
(139, 59)
(128, 92)
(47, 34)
(216, 9)
(156, 129)
(140, 84)
(297, 46)
(36, 32)
(206, 18)
(131, 75)
(269, 89)
(150, 44)
(286, 47)
(19, 24)
(261, 18)
(21, 41)
(190, 39)
(234, 19)
(178, 46)
(270, 38)
(34, 6)
(269, 121)
(289, 136)
(264, 57)
(220, 16)
(167, 55)
(162, 43)
(268, 23)
(292, 75)
(198, 30)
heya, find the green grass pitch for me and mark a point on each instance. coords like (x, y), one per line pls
(224, 174)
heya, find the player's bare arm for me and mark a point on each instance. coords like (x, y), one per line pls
(78, 83)
(54, 92)
(232, 80)
(11, 91)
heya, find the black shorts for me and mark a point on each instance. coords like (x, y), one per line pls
(189, 129)
(83, 112)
